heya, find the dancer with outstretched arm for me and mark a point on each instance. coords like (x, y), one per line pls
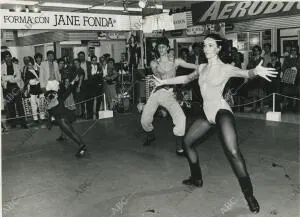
(212, 78)
(164, 96)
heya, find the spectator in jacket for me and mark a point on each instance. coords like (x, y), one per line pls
(13, 85)
(86, 93)
(49, 70)
(32, 81)
(110, 83)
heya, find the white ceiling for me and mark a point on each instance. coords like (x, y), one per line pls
(167, 4)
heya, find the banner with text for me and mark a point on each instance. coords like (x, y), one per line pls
(229, 11)
(218, 28)
(179, 20)
(68, 21)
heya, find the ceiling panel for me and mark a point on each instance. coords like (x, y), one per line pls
(131, 3)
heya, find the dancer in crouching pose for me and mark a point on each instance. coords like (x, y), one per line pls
(212, 78)
(63, 116)
(164, 96)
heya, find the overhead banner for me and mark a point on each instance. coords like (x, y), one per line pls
(229, 11)
(68, 21)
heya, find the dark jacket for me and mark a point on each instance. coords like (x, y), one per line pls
(33, 74)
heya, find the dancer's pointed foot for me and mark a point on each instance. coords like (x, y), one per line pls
(81, 151)
(180, 152)
(193, 182)
(149, 138)
(252, 203)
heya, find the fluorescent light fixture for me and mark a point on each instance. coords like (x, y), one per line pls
(70, 42)
(64, 5)
(19, 2)
(157, 6)
(111, 8)
(166, 10)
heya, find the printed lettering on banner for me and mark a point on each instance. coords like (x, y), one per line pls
(218, 28)
(179, 20)
(67, 21)
(228, 11)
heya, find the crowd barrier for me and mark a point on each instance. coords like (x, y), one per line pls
(274, 115)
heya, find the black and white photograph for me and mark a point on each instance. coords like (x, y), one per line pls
(150, 108)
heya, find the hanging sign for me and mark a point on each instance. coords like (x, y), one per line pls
(229, 11)
(218, 28)
(179, 20)
(67, 21)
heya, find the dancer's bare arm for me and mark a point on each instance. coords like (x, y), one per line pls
(263, 72)
(184, 64)
(184, 79)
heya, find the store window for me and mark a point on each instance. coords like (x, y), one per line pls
(247, 40)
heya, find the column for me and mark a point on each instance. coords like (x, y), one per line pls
(57, 49)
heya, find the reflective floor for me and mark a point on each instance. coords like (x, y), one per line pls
(120, 177)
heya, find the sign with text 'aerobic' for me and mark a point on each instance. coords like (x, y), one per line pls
(228, 11)
(68, 21)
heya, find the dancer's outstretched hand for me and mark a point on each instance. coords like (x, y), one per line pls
(265, 72)
(158, 82)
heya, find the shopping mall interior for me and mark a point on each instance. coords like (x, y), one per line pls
(150, 108)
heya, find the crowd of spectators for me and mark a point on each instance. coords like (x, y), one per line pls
(23, 88)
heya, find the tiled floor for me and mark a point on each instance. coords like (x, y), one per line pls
(120, 177)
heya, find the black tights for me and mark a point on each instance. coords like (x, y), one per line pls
(68, 129)
(226, 124)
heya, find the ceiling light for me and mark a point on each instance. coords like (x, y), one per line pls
(26, 9)
(143, 3)
(36, 9)
(18, 9)
(64, 5)
(19, 2)
(111, 8)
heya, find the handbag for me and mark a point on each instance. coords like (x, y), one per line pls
(289, 76)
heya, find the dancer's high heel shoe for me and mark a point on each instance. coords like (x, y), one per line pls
(150, 137)
(81, 151)
(247, 189)
(252, 203)
(179, 143)
(180, 152)
(193, 182)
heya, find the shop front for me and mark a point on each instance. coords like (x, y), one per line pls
(253, 23)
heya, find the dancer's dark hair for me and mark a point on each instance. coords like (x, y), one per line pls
(224, 44)
(163, 40)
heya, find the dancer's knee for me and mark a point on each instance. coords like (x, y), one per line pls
(146, 123)
(187, 143)
(179, 128)
(234, 154)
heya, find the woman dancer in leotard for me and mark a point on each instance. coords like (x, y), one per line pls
(212, 78)
(63, 116)
(163, 96)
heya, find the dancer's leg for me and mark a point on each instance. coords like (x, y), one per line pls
(68, 129)
(199, 128)
(226, 123)
(147, 117)
(178, 117)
